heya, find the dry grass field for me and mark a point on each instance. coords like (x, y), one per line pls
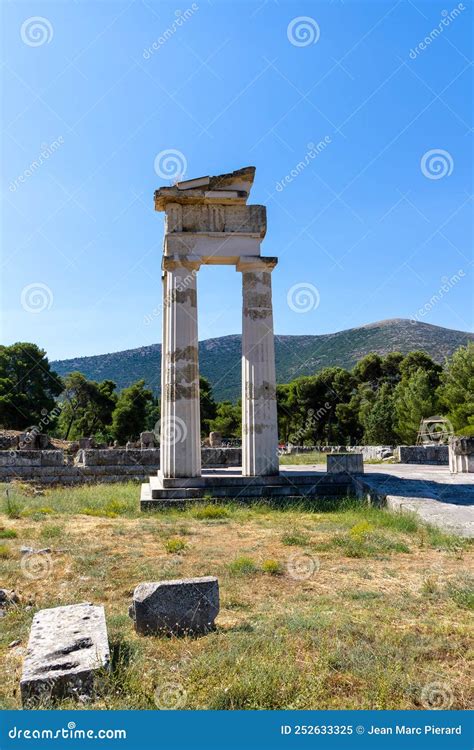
(332, 605)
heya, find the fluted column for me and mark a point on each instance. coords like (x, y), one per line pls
(180, 438)
(259, 413)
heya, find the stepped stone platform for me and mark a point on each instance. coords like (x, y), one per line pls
(229, 484)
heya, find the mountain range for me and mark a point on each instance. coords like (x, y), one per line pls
(220, 358)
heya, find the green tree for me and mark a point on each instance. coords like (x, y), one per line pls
(414, 400)
(378, 420)
(420, 360)
(207, 404)
(457, 387)
(28, 386)
(87, 406)
(228, 419)
(129, 417)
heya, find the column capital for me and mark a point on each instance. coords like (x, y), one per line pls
(189, 262)
(255, 263)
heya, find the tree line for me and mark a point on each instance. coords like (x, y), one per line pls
(379, 401)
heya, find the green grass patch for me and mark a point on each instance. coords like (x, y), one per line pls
(211, 512)
(175, 545)
(295, 539)
(242, 566)
(5, 552)
(8, 534)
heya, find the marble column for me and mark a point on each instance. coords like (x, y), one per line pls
(180, 434)
(259, 413)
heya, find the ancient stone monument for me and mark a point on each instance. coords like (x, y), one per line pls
(209, 222)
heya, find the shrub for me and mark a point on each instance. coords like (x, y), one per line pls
(174, 545)
(242, 566)
(4, 552)
(272, 567)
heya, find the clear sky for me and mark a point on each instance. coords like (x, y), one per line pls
(371, 223)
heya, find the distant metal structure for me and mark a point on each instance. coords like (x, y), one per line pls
(434, 431)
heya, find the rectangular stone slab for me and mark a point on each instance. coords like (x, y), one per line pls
(176, 607)
(67, 647)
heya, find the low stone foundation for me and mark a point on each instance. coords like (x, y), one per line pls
(97, 465)
(436, 455)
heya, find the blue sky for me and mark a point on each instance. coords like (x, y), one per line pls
(375, 222)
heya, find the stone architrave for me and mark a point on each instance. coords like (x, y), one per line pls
(208, 222)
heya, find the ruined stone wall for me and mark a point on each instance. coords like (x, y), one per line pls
(97, 465)
(422, 454)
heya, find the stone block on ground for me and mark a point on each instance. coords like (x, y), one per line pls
(67, 650)
(147, 439)
(177, 607)
(345, 463)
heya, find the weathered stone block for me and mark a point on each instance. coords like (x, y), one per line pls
(461, 455)
(147, 440)
(345, 463)
(178, 607)
(67, 648)
(437, 455)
